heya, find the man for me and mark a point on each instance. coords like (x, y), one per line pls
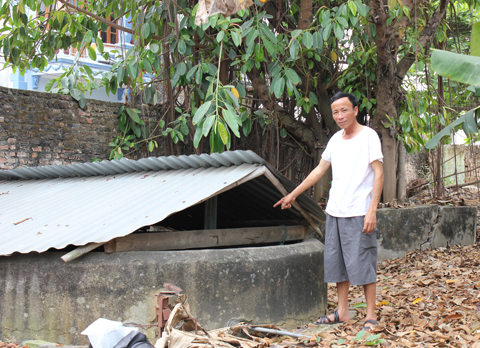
(350, 255)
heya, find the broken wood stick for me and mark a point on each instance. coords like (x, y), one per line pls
(72, 255)
(295, 204)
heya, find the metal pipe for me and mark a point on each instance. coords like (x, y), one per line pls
(278, 332)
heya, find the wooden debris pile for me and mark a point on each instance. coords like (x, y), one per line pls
(182, 331)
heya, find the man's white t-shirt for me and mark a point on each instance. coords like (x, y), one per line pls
(352, 173)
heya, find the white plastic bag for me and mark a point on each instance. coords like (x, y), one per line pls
(104, 333)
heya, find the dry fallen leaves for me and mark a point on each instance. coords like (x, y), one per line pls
(433, 299)
(11, 345)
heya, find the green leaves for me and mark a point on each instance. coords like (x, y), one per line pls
(145, 30)
(132, 69)
(182, 47)
(338, 30)
(202, 110)
(469, 121)
(288, 78)
(236, 37)
(88, 37)
(49, 84)
(154, 48)
(457, 67)
(294, 47)
(232, 120)
(353, 7)
(133, 113)
(223, 133)
(371, 340)
(307, 39)
(278, 87)
(361, 8)
(147, 66)
(6, 48)
(91, 53)
(99, 43)
(259, 55)
(475, 40)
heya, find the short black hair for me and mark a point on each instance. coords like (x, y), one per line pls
(340, 95)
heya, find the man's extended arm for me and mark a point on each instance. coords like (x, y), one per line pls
(309, 181)
(370, 222)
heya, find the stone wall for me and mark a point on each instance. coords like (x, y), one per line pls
(38, 129)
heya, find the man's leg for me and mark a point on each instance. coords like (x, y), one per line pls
(342, 309)
(334, 270)
(342, 292)
(370, 294)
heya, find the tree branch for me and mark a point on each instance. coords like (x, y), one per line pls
(427, 33)
(292, 125)
(103, 20)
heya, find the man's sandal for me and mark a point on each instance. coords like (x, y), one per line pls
(370, 321)
(325, 320)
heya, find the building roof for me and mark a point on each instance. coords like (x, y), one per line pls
(56, 206)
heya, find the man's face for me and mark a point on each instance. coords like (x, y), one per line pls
(344, 113)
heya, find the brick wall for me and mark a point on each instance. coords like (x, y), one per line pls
(38, 129)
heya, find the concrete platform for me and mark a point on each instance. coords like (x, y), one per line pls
(44, 298)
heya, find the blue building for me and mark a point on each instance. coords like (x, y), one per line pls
(113, 39)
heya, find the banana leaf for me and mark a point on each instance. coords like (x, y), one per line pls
(457, 67)
(470, 126)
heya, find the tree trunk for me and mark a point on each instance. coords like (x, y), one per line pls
(388, 99)
(402, 173)
(322, 187)
(390, 160)
(390, 75)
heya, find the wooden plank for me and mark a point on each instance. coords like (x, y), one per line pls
(211, 214)
(205, 238)
(110, 246)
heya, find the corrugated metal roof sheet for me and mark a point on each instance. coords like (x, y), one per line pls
(96, 202)
(125, 165)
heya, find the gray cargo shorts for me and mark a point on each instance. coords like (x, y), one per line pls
(350, 255)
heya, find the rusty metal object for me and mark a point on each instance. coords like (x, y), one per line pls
(162, 308)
